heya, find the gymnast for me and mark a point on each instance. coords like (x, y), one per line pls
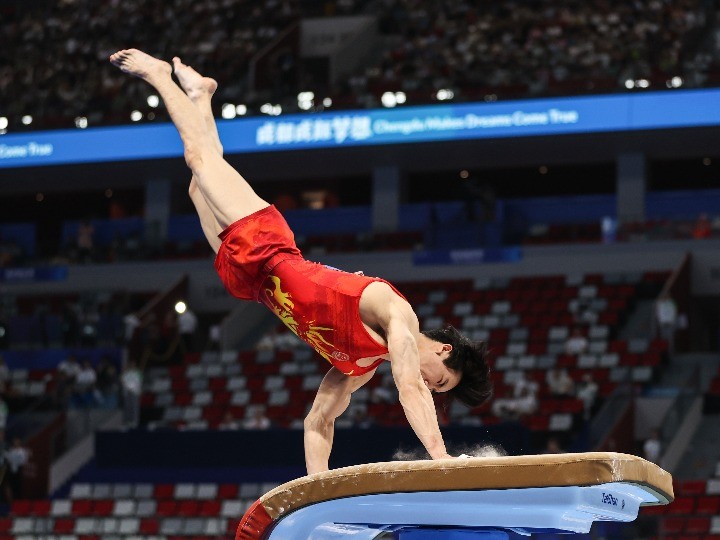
(353, 321)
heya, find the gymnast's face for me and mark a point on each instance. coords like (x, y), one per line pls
(437, 376)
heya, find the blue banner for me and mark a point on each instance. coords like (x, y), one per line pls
(467, 256)
(33, 274)
(557, 116)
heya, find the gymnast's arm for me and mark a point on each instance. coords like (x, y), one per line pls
(402, 330)
(331, 401)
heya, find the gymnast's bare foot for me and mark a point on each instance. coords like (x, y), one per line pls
(195, 85)
(140, 65)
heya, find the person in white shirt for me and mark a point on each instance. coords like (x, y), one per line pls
(16, 457)
(560, 383)
(85, 385)
(652, 449)
(587, 392)
(576, 343)
(131, 382)
(187, 326)
(228, 423)
(258, 420)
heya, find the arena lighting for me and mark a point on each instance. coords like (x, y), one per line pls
(266, 108)
(490, 98)
(464, 174)
(388, 99)
(327, 102)
(305, 100)
(444, 94)
(3, 122)
(108, 193)
(136, 116)
(180, 307)
(400, 97)
(26, 120)
(228, 111)
(153, 101)
(241, 110)
(276, 110)
(81, 122)
(675, 82)
(629, 84)
(707, 161)
(642, 83)
(39, 197)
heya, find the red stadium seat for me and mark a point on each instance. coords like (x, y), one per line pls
(82, 507)
(211, 508)
(227, 491)
(64, 526)
(164, 491)
(697, 525)
(692, 487)
(708, 505)
(103, 507)
(166, 508)
(149, 526)
(683, 506)
(673, 525)
(21, 507)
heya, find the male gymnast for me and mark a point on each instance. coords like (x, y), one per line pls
(353, 321)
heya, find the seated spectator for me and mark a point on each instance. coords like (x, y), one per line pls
(257, 420)
(519, 405)
(107, 383)
(84, 391)
(228, 422)
(65, 376)
(702, 228)
(576, 343)
(587, 392)
(560, 383)
(522, 383)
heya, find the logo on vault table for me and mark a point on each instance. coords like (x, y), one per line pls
(608, 498)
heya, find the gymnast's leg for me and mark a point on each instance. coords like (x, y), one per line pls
(200, 91)
(228, 196)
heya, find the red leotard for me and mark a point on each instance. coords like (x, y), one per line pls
(258, 260)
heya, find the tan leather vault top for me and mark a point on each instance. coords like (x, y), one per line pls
(582, 469)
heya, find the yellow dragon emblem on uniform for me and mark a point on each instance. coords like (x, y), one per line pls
(283, 307)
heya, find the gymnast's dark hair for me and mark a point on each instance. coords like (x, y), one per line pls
(470, 359)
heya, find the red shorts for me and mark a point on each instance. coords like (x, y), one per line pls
(250, 249)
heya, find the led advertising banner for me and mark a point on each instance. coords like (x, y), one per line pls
(558, 116)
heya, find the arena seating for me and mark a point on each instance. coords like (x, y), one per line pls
(695, 513)
(525, 321)
(146, 510)
(478, 52)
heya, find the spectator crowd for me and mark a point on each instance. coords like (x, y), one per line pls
(510, 49)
